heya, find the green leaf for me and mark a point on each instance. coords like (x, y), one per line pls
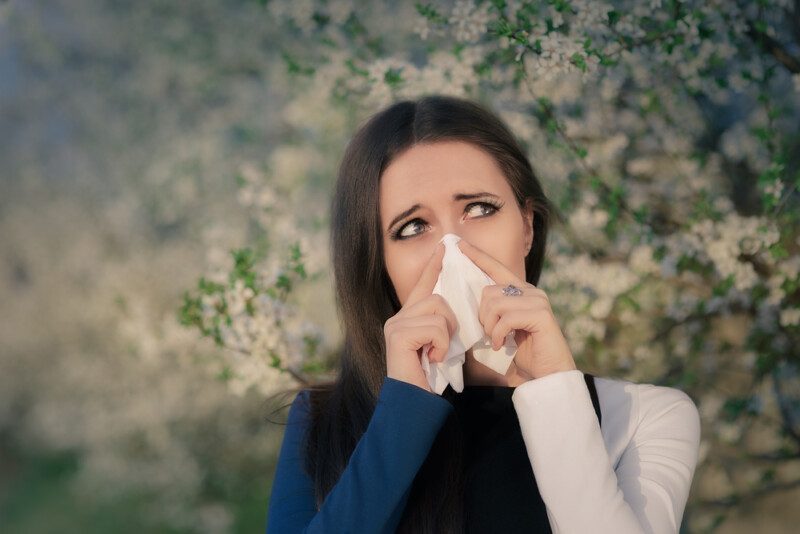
(778, 251)
(579, 61)
(275, 360)
(294, 67)
(735, 407)
(191, 312)
(353, 26)
(356, 70)
(225, 374)
(430, 13)
(311, 345)
(312, 367)
(208, 287)
(392, 77)
(640, 214)
(723, 287)
(284, 282)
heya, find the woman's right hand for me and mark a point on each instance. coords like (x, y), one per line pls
(424, 318)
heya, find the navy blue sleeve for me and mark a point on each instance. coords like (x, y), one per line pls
(371, 494)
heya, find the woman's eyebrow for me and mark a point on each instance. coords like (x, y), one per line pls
(456, 197)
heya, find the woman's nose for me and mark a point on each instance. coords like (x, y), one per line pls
(446, 232)
(451, 225)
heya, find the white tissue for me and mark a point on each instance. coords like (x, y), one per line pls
(461, 283)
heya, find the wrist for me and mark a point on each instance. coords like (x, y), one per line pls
(552, 370)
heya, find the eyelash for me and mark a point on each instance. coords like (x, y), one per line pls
(396, 234)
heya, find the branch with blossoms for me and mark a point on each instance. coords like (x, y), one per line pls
(667, 143)
(247, 315)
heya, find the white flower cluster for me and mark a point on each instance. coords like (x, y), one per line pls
(298, 11)
(590, 16)
(380, 92)
(254, 371)
(786, 270)
(339, 10)
(519, 123)
(588, 222)
(682, 305)
(274, 328)
(642, 260)
(255, 192)
(467, 22)
(555, 59)
(722, 242)
(585, 292)
(444, 73)
(790, 317)
(422, 27)
(580, 329)
(739, 144)
(775, 188)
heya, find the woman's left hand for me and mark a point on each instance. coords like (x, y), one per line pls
(541, 347)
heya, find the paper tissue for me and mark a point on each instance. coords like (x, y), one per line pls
(461, 283)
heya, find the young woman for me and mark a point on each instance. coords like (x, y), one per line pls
(543, 448)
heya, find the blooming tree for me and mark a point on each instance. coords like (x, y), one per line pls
(666, 134)
(120, 124)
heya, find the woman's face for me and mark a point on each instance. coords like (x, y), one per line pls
(448, 187)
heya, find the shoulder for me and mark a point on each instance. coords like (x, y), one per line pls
(299, 410)
(633, 412)
(301, 401)
(640, 402)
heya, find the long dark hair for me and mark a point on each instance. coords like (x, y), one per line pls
(341, 410)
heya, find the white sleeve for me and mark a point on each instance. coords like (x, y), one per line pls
(581, 489)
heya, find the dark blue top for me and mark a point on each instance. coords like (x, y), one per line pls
(500, 488)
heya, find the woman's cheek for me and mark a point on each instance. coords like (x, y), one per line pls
(409, 269)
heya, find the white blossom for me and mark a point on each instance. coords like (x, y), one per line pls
(422, 27)
(468, 22)
(790, 317)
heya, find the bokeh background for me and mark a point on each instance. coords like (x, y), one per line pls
(165, 170)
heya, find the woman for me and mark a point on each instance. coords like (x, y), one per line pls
(543, 448)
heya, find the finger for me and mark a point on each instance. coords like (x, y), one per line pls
(434, 319)
(427, 280)
(493, 307)
(436, 336)
(510, 321)
(434, 305)
(498, 272)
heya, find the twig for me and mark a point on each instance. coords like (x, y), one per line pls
(763, 491)
(774, 47)
(788, 423)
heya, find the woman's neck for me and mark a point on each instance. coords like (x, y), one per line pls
(477, 374)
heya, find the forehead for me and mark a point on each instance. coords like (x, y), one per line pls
(429, 170)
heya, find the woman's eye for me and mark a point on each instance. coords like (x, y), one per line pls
(402, 232)
(490, 210)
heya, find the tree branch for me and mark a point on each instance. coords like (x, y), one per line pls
(774, 47)
(738, 498)
(788, 422)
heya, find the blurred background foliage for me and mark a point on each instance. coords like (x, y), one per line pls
(165, 174)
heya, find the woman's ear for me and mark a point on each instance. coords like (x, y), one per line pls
(527, 222)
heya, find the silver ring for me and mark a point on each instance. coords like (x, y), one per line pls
(512, 291)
